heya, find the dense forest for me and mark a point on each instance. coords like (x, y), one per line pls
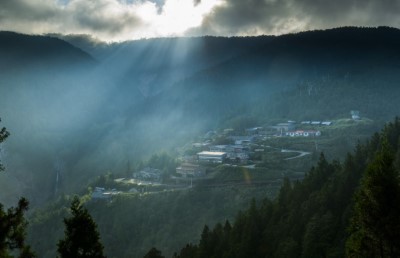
(348, 209)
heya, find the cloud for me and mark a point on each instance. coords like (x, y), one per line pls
(112, 20)
(102, 18)
(255, 17)
(115, 20)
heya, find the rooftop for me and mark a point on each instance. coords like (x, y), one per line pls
(216, 153)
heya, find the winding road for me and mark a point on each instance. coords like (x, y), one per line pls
(301, 153)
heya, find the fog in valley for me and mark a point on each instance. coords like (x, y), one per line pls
(95, 111)
(78, 109)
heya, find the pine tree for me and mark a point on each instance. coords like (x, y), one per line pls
(12, 231)
(375, 225)
(81, 237)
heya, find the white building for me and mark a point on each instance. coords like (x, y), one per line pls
(303, 133)
(211, 156)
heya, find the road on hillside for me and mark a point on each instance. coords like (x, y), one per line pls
(301, 153)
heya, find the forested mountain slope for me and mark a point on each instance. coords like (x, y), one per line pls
(69, 113)
(320, 216)
(22, 52)
(340, 209)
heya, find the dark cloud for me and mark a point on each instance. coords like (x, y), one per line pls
(101, 18)
(127, 19)
(25, 10)
(250, 17)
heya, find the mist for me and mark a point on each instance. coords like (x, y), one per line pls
(77, 109)
(94, 115)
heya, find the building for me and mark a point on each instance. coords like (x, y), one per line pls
(191, 170)
(148, 174)
(239, 157)
(355, 115)
(211, 156)
(237, 148)
(218, 148)
(100, 193)
(285, 127)
(303, 133)
(233, 152)
(243, 140)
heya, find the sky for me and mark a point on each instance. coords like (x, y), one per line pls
(120, 20)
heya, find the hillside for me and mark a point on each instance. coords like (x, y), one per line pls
(40, 80)
(308, 218)
(84, 117)
(333, 212)
(25, 52)
(307, 71)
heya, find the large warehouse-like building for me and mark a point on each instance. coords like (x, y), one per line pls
(211, 156)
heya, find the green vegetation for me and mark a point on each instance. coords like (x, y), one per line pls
(218, 197)
(81, 237)
(375, 224)
(310, 218)
(13, 231)
(13, 224)
(131, 224)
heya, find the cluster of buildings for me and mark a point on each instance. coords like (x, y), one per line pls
(216, 154)
(148, 174)
(238, 152)
(100, 193)
(290, 129)
(303, 133)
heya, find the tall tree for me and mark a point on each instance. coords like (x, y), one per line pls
(375, 225)
(82, 239)
(13, 231)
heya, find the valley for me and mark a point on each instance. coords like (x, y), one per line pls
(160, 137)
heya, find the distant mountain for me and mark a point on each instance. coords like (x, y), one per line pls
(20, 51)
(96, 48)
(153, 65)
(289, 59)
(323, 65)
